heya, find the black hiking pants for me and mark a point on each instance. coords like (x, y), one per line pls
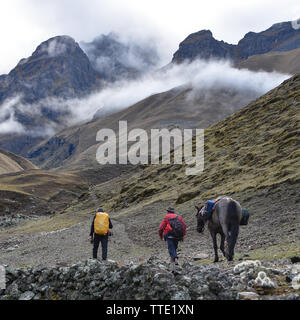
(104, 241)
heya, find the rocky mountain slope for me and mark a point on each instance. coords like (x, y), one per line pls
(27, 192)
(31, 94)
(202, 45)
(279, 37)
(58, 67)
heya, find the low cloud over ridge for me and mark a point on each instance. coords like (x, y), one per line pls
(199, 75)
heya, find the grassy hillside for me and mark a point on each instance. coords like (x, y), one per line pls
(254, 148)
(39, 192)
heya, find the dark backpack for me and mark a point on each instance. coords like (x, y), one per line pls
(177, 228)
(245, 217)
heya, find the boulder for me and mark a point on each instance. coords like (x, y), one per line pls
(200, 256)
(247, 295)
(28, 295)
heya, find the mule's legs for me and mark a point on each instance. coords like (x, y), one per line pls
(214, 238)
(227, 237)
(222, 245)
(234, 232)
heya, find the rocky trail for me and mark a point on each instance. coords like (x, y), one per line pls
(70, 245)
(50, 257)
(64, 246)
(58, 265)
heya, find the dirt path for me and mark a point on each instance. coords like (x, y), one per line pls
(65, 246)
(63, 239)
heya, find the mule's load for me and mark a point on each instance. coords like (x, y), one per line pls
(101, 224)
(245, 217)
(208, 208)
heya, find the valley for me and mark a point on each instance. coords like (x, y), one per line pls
(52, 186)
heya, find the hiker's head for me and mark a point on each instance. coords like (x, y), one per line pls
(171, 210)
(100, 210)
(200, 219)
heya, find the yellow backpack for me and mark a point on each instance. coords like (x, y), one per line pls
(101, 223)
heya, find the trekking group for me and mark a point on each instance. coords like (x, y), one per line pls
(224, 216)
(172, 229)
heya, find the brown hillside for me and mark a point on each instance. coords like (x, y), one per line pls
(285, 62)
(9, 162)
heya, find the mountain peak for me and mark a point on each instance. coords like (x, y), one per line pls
(282, 36)
(54, 47)
(202, 45)
(199, 35)
(62, 60)
(58, 68)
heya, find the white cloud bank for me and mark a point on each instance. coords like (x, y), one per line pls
(200, 75)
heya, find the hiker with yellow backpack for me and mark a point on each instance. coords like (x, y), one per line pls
(100, 232)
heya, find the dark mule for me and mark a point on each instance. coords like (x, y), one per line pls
(225, 220)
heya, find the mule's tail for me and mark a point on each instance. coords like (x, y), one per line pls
(234, 228)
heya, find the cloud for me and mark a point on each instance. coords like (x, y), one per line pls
(222, 74)
(11, 126)
(8, 123)
(201, 76)
(54, 48)
(115, 56)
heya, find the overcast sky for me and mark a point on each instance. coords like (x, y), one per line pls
(26, 23)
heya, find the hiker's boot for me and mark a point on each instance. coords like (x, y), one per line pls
(173, 268)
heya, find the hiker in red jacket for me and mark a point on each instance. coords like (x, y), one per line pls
(172, 229)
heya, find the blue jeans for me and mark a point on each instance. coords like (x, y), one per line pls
(172, 247)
